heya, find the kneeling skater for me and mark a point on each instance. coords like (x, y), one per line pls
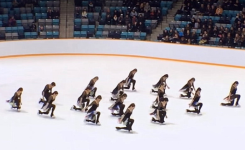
(116, 92)
(188, 88)
(15, 101)
(82, 100)
(162, 81)
(161, 92)
(118, 106)
(130, 79)
(160, 111)
(91, 86)
(126, 118)
(93, 115)
(232, 96)
(195, 102)
(48, 105)
(47, 91)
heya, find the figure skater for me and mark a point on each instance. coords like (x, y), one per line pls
(126, 118)
(161, 81)
(195, 102)
(130, 79)
(232, 96)
(188, 88)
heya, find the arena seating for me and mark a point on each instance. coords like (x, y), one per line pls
(219, 25)
(112, 19)
(30, 20)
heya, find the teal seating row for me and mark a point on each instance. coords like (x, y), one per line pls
(44, 9)
(49, 34)
(49, 3)
(12, 29)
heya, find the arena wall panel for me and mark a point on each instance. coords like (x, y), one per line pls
(155, 50)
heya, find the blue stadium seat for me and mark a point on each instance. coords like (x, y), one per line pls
(84, 34)
(84, 27)
(91, 28)
(27, 35)
(44, 15)
(37, 9)
(20, 29)
(143, 35)
(98, 34)
(55, 34)
(1, 23)
(78, 22)
(34, 35)
(55, 21)
(38, 16)
(43, 9)
(100, 27)
(77, 33)
(124, 35)
(14, 29)
(49, 34)
(130, 35)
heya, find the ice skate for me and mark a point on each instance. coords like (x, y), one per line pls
(153, 119)
(39, 112)
(118, 128)
(237, 105)
(52, 116)
(73, 107)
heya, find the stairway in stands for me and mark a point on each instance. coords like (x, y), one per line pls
(166, 20)
(66, 18)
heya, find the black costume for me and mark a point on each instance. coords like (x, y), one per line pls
(232, 97)
(195, 103)
(47, 91)
(93, 115)
(81, 101)
(159, 98)
(188, 88)
(93, 89)
(160, 113)
(48, 105)
(127, 121)
(119, 106)
(115, 93)
(15, 101)
(159, 83)
(130, 80)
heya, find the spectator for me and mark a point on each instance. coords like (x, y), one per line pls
(127, 20)
(90, 6)
(219, 11)
(22, 3)
(12, 22)
(56, 14)
(193, 37)
(165, 33)
(166, 39)
(15, 4)
(129, 28)
(84, 13)
(41, 28)
(133, 13)
(120, 20)
(134, 19)
(78, 12)
(108, 19)
(182, 40)
(141, 9)
(237, 5)
(189, 42)
(120, 12)
(50, 13)
(114, 20)
(141, 27)
(135, 27)
(147, 7)
(33, 27)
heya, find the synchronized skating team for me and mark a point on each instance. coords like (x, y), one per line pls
(118, 96)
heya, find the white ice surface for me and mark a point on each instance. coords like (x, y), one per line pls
(218, 127)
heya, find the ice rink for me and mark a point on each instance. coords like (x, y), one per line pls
(218, 128)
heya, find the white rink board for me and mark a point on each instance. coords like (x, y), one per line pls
(121, 47)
